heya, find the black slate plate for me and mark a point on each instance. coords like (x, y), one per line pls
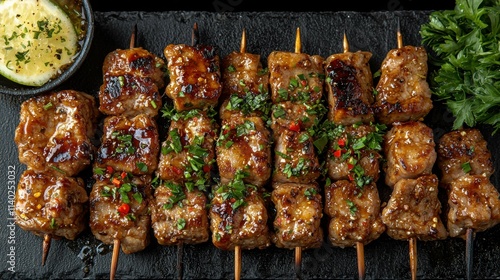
(267, 31)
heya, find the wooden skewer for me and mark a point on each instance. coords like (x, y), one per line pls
(413, 240)
(237, 248)
(237, 262)
(114, 258)
(117, 242)
(195, 35)
(47, 238)
(360, 250)
(298, 250)
(469, 252)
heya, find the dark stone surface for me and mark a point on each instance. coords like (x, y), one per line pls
(266, 31)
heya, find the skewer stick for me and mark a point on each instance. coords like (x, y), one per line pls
(195, 36)
(298, 250)
(237, 248)
(237, 262)
(114, 259)
(360, 250)
(47, 238)
(413, 240)
(469, 252)
(117, 242)
(413, 257)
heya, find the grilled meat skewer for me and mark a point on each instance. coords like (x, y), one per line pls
(128, 154)
(54, 139)
(296, 82)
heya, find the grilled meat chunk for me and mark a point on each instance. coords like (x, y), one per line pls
(299, 210)
(129, 95)
(56, 130)
(413, 210)
(354, 152)
(244, 144)
(410, 151)
(295, 77)
(195, 77)
(354, 213)
(238, 217)
(403, 93)
(129, 144)
(132, 80)
(296, 82)
(474, 203)
(50, 204)
(119, 210)
(137, 62)
(179, 215)
(350, 88)
(288, 114)
(295, 159)
(461, 152)
(243, 73)
(188, 153)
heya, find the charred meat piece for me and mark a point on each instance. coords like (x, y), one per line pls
(238, 216)
(119, 209)
(295, 159)
(410, 152)
(474, 203)
(299, 210)
(56, 130)
(50, 204)
(402, 93)
(414, 209)
(350, 88)
(354, 213)
(292, 115)
(195, 77)
(132, 79)
(243, 73)
(129, 144)
(179, 214)
(295, 77)
(354, 152)
(245, 87)
(244, 144)
(137, 62)
(463, 152)
(129, 96)
(188, 153)
(296, 82)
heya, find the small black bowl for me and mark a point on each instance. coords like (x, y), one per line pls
(9, 87)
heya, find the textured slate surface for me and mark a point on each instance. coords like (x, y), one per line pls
(266, 31)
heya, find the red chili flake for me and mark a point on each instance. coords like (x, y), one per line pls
(176, 170)
(303, 82)
(124, 174)
(294, 127)
(337, 153)
(351, 177)
(116, 182)
(109, 169)
(341, 142)
(206, 168)
(350, 166)
(124, 209)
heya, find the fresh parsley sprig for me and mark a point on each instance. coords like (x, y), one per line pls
(465, 44)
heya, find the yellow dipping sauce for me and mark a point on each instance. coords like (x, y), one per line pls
(38, 41)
